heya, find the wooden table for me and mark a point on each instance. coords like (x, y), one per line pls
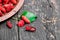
(47, 23)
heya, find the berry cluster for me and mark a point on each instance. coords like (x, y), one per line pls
(21, 24)
(6, 6)
(26, 18)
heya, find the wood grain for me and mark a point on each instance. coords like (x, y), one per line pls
(8, 34)
(47, 23)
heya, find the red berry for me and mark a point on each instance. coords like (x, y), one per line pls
(25, 19)
(5, 1)
(9, 24)
(0, 1)
(8, 7)
(33, 29)
(1, 14)
(14, 1)
(0, 4)
(3, 9)
(20, 23)
(29, 28)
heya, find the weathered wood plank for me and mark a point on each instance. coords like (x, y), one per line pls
(8, 34)
(47, 30)
(57, 15)
(47, 20)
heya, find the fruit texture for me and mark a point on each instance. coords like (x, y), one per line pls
(5, 1)
(0, 1)
(14, 1)
(8, 7)
(2, 9)
(20, 23)
(30, 28)
(9, 24)
(25, 19)
(1, 14)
